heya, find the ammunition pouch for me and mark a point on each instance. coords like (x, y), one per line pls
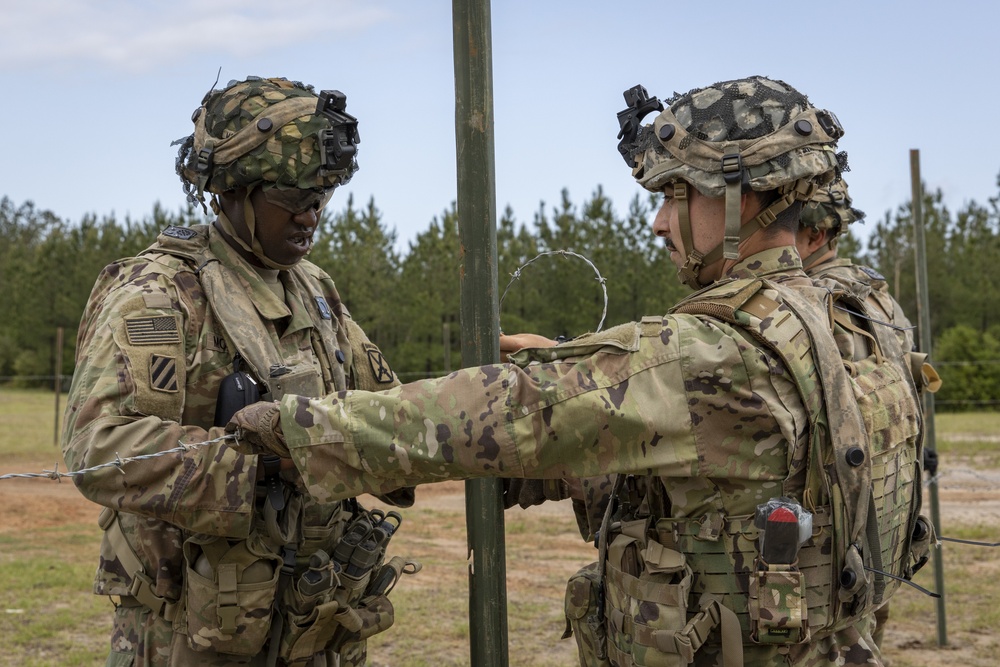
(338, 619)
(340, 602)
(648, 587)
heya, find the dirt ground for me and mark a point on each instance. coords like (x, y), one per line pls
(969, 494)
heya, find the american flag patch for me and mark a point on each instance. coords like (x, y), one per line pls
(163, 373)
(152, 330)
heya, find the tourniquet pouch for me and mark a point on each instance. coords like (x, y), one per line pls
(584, 618)
(646, 603)
(777, 605)
(229, 591)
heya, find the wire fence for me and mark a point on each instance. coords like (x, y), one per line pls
(118, 463)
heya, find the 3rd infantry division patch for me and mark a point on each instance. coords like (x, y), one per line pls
(163, 373)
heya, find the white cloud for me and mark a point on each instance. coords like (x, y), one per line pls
(137, 35)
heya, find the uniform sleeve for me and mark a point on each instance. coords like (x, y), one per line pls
(601, 407)
(127, 400)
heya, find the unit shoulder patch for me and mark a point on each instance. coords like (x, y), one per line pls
(380, 368)
(163, 373)
(176, 232)
(871, 273)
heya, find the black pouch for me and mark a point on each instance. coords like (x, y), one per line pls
(237, 390)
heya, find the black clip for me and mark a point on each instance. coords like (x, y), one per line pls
(204, 162)
(340, 141)
(639, 104)
(732, 168)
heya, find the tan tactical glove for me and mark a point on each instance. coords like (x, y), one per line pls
(257, 428)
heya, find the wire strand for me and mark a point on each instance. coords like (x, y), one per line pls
(119, 462)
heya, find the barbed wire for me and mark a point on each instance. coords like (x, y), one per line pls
(601, 279)
(119, 462)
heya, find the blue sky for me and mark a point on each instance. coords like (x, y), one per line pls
(97, 89)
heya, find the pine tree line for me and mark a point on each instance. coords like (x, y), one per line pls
(409, 302)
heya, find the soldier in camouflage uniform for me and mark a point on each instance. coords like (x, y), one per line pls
(736, 398)
(824, 219)
(204, 550)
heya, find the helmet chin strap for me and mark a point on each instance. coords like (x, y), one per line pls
(250, 219)
(693, 260)
(801, 189)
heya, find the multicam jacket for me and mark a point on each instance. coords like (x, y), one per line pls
(686, 400)
(151, 354)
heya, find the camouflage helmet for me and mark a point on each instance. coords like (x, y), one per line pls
(725, 140)
(762, 131)
(268, 131)
(830, 208)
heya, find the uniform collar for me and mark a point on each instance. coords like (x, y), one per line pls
(780, 259)
(268, 305)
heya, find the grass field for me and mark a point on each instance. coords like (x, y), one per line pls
(49, 544)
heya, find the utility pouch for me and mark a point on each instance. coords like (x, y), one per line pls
(307, 634)
(777, 605)
(647, 599)
(229, 590)
(585, 618)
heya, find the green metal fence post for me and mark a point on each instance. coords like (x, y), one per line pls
(480, 312)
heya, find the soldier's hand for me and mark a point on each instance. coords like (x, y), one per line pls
(514, 342)
(257, 428)
(530, 492)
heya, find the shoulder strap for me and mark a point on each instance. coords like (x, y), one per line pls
(141, 587)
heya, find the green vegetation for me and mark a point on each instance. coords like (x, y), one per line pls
(409, 302)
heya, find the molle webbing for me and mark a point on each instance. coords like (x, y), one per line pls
(712, 555)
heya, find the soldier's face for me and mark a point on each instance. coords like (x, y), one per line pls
(708, 224)
(286, 237)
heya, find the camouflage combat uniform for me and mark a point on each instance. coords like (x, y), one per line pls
(743, 395)
(151, 355)
(690, 400)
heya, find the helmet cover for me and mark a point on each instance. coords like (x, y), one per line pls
(770, 134)
(830, 208)
(271, 131)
